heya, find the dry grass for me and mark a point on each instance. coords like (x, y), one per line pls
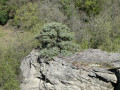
(5, 36)
(12, 38)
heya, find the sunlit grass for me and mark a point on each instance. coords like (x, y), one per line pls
(2, 33)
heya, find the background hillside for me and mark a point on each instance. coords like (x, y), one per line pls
(96, 24)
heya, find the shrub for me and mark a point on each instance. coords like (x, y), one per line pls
(4, 12)
(9, 67)
(67, 7)
(3, 16)
(3, 1)
(89, 6)
(56, 38)
(26, 17)
(7, 11)
(7, 77)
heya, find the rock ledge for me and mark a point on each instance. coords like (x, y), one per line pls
(89, 70)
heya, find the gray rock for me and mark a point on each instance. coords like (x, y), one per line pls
(76, 72)
(95, 56)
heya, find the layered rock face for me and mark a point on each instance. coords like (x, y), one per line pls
(89, 70)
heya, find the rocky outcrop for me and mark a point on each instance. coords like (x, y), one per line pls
(89, 70)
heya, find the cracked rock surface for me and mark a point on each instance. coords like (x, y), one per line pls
(89, 70)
